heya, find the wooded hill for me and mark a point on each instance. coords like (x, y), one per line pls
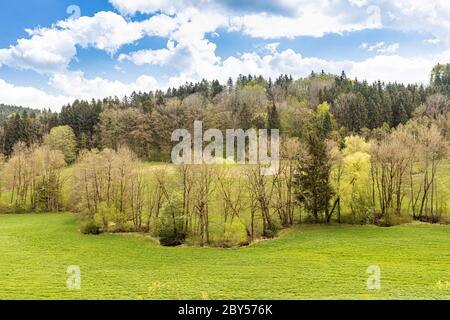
(144, 121)
(6, 110)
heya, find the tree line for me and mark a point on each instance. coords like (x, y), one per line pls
(6, 110)
(144, 121)
(352, 152)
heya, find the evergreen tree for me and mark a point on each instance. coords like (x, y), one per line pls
(273, 118)
(312, 179)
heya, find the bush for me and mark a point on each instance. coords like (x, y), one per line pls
(13, 209)
(171, 230)
(391, 219)
(171, 236)
(234, 235)
(173, 240)
(402, 219)
(272, 230)
(90, 228)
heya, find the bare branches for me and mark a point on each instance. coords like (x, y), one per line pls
(109, 187)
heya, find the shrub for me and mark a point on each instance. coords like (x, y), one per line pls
(234, 235)
(169, 237)
(272, 230)
(90, 228)
(171, 230)
(392, 219)
(13, 209)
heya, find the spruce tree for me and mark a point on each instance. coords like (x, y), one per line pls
(312, 179)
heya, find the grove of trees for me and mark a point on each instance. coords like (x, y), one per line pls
(351, 152)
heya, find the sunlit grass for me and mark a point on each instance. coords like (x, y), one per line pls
(310, 262)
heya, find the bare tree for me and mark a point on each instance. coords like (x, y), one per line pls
(2, 174)
(185, 176)
(261, 189)
(205, 184)
(19, 175)
(435, 106)
(109, 186)
(434, 150)
(283, 200)
(47, 179)
(232, 189)
(337, 172)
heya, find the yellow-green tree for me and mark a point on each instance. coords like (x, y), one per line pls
(356, 178)
(108, 188)
(2, 164)
(63, 139)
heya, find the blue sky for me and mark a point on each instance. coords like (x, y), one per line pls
(50, 55)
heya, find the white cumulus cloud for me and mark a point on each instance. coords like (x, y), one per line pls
(293, 18)
(381, 47)
(50, 50)
(31, 97)
(186, 24)
(75, 84)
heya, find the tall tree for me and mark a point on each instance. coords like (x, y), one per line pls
(63, 139)
(312, 179)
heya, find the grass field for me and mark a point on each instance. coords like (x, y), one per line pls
(310, 262)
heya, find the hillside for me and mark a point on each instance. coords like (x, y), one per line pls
(6, 110)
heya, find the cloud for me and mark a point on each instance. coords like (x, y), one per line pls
(105, 31)
(293, 18)
(131, 7)
(388, 68)
(72, 85)
(186, 24)
(270, 19)
(283, 7)
(418, 15)
(50, 50)
(432, 41)
(187, 57)
(75, 84)
(312, 20)
(155, 57)
(394, 68)
(272, 47)
(31, 97)
(194, 56)
(159, 25)
(381, 47)
(47, 51)
(187, 49)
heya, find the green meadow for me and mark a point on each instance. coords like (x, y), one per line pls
(306, 262)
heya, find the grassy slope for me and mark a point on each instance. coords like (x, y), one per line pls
(310, 262)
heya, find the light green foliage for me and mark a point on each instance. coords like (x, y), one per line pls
(63, 139)
(307, 263)
(2, 164)
(355, 144)
(323, 109)
(295, 118)
(234, 233)
(440, 75)
(324, 119)
(252, 106)
(355, 192)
